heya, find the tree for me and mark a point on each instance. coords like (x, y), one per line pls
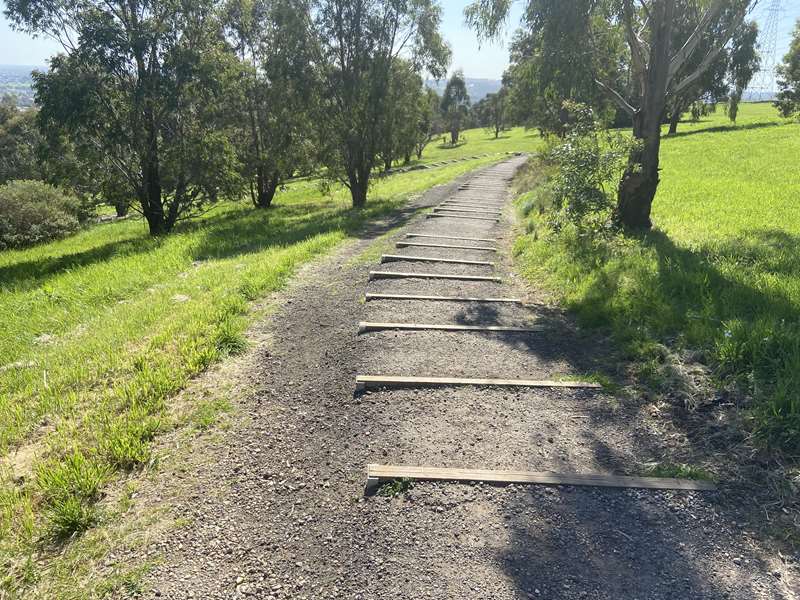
(553, 61)
(788, 100)
(744, 62)
(19, 142)
(726, 77)
(401, 114)
(429, 122)
(140, 88)
(279, 85)
(491, 112)
(360, 41)
(657, 61)
(455, 105)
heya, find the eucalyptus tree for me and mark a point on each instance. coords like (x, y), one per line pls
(657, 71)
(455, 105)
(429, 122)
(401, 115)
(276, 46)
(553, 61)
(140, 89)
(491, 111)
(788, 99)
(360, 40)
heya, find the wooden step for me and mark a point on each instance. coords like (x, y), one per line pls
(447, 237)
(478, 205)
(377, 474)
(466, 210)
(377, 381)
(442, 215)
(398, 275)
(370, 296)
(364, 327)
(452, 261)
(448, 246)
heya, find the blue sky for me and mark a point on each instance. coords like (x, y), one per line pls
(487, 61)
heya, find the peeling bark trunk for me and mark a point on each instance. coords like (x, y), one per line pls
(639, 182)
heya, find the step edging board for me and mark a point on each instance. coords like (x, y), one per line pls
(451, 261)
(372, 296)
(365, 326)
(399, 275)
(377, 474)
(377, 381)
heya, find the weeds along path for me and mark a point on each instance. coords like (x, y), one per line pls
(277, 508)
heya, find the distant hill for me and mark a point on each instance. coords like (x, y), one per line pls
(477, 88)
(16, 80)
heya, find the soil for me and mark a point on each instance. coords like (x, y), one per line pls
(275, 505)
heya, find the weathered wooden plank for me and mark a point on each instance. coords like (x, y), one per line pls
(364, 327)
(376, 474)
(447, 237)
(370, 296)
(451, 261)
(444, 216)
(373, 381)
(448, 246)
(398, 275)
(476, 211)
(479, 205)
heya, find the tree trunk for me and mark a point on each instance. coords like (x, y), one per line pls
(639, 182)
(266, 186)
(358, 178)
(674, 119)
(453, 136)
(121, 207)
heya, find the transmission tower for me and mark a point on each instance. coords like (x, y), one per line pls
(764, 81)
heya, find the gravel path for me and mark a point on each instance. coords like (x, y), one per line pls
(276, 507)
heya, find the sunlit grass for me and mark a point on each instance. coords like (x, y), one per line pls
(720, 272)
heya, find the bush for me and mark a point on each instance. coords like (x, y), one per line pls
(32, 212)
(586, 159)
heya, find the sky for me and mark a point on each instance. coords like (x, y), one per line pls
(480, 61)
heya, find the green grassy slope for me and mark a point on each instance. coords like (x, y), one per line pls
(101, 330)
(719, 272)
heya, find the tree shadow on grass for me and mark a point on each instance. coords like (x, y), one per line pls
(724, 129)
(653, 544)
(33, 273)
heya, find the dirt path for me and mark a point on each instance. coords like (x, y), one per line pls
(280, 513)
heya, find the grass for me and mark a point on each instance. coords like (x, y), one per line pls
(103, 329)
(718, 275)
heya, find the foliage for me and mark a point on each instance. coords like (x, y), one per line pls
(276, 92)
(139, 94)
(406, 120)
(359, 43)
(553, 61)
(586, 160)
(491, 112)
(788, 100)
(32, 212)
(720, 274)
(455, 105)
(19, 142)
(744, 63)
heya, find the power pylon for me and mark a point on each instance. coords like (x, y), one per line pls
(764, 82)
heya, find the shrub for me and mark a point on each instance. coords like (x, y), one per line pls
(587, 159)
(32, 212)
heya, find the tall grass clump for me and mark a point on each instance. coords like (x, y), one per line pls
(719, 274)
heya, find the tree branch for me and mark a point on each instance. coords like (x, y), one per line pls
(617, 97)
(689, 46)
